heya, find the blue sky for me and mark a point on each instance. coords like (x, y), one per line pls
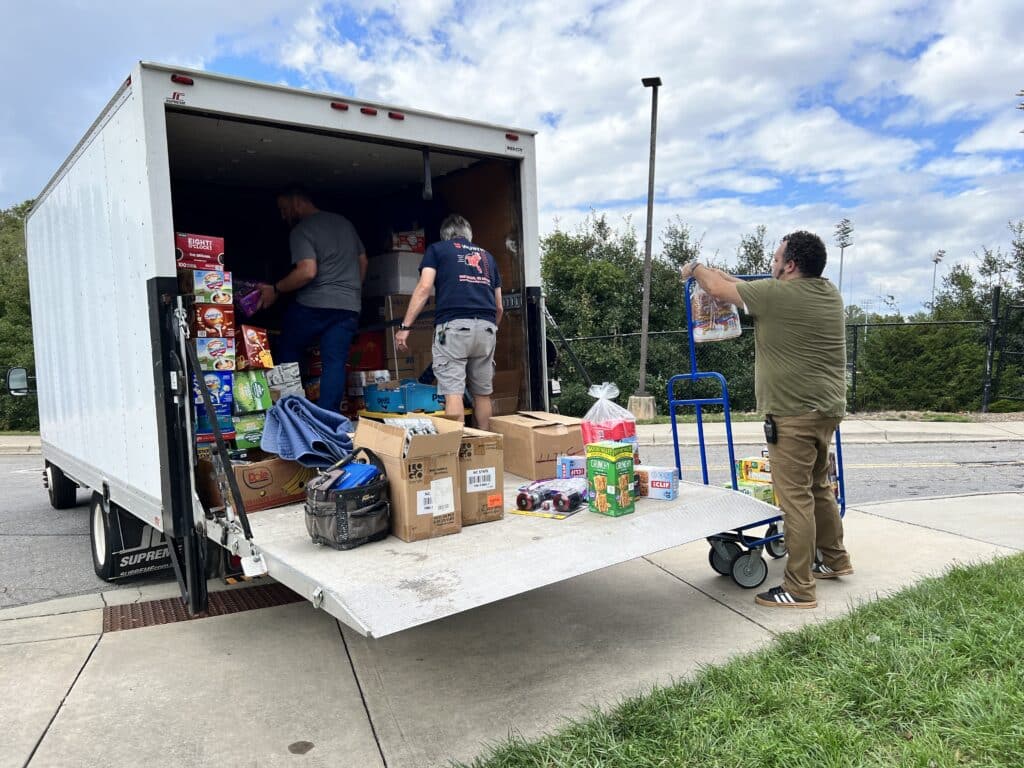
(898, 114)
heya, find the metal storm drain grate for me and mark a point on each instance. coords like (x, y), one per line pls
(154, 612)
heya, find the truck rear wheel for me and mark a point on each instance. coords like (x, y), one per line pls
(101, 537)
(62, 490)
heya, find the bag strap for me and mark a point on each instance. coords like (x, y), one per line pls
(373, 457)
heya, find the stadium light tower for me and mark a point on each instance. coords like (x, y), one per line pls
(935, 259)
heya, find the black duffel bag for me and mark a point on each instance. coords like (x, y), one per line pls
(347, 518)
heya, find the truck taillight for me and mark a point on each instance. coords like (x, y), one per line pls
(512, 136)
(182, 79)
(340, 106)
(396, 115)
(368, 110)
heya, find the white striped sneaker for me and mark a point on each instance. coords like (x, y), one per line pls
(778, 597)
(822, 571)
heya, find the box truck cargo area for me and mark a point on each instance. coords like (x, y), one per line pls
(225, 176)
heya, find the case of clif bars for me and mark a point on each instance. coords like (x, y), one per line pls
(571, 466)
(656, 482)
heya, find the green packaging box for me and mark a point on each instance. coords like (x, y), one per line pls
(252, 393)
(610, 478)
(760, 491)
(249, 430)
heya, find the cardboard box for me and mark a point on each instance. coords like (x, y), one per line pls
(571, 466)
(413, 240)
(249, 430)
(420, 343)
(216, 354)
(284, 380)
(209, 286)
(395, 307)
(395, 272)
(213, 320)
(199, 251)
(359, 379)
(264, 484)
(252, 393)
(610, 478)
(367, 352)
(656, 482)
(204, 427)
(535, 439)
(481, 476)
(422, 476)
(252, 349)
(760, 491)
(219, 385)
(754, 468)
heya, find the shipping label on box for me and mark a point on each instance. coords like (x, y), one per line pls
(252, 349)
(252, 393)
(249, 429)
(534, 440)
(219, 385)
(199, 251)
(481, 469)
(216, 354)
(263, 484)
(656, 482)
(755, 468)
(610, 478)
(213, 320)
(571, 466)
(760, 491)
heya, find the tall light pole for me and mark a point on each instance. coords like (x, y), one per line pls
(843, 231)
(653, 83)
(935, 259)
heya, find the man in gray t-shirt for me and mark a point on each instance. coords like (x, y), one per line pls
(328, 268)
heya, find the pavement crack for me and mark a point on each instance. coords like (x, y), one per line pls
(742, 615)
(362, 695)
(60, 706)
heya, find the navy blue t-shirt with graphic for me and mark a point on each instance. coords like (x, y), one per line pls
(467, 276)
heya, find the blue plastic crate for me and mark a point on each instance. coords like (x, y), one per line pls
(407, 397)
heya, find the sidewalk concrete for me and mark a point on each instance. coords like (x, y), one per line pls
(263, 687)
(750, 432)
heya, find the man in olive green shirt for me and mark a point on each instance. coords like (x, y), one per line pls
(800, 384)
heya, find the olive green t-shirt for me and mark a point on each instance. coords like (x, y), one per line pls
(800, 345)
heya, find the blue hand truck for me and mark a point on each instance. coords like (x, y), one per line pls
(735, 553)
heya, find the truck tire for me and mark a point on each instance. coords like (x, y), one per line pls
(101, 537)
(62, 490)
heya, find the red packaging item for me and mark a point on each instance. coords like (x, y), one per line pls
(413, 241)
(314, 364)
(252, 349)
(199, 251)
(607, 420)
(367, 351)
(213, 320)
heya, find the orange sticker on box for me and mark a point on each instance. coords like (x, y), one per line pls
(495, 500)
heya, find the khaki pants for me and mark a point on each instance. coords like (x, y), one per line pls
(810, 513)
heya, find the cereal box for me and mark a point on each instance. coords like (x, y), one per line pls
(755, 468)
(571, 466)
(216, 354)
(219, 385)
(656, 482)
(199, 251)
(252, 349)
(213, 320)
(252, 393)
(610, 478)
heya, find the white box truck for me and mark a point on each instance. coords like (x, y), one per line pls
(181, 150)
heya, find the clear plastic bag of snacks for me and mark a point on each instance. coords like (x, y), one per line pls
(713, 320)
(607, 420)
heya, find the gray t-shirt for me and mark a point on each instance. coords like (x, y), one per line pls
(331, 241)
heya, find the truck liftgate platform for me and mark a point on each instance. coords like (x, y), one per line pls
(388, 586)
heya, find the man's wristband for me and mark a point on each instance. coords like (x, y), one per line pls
(404, 327)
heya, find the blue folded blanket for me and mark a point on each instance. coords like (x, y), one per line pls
(297, 429)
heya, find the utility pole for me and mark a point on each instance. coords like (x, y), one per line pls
(936, 259)
(642, 404)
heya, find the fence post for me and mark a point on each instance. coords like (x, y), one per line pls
(993, 324)
(853, 374)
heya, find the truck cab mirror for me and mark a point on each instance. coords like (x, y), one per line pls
(17, 381)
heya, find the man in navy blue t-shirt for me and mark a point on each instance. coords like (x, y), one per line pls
(468, 287)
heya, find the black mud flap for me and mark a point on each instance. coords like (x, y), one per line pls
(136, 547)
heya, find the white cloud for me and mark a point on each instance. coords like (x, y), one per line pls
(1002, 133)
(965, 167)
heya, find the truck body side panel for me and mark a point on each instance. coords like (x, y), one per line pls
(90, 253)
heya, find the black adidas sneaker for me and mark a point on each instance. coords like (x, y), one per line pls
(777, 597)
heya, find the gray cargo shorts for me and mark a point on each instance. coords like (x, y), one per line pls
(465, 357)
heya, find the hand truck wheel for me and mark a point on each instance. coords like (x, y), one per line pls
(776, 548)
(722, 564)
(749, 570)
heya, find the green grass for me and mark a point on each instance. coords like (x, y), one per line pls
(932, 677)
(17, 433)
